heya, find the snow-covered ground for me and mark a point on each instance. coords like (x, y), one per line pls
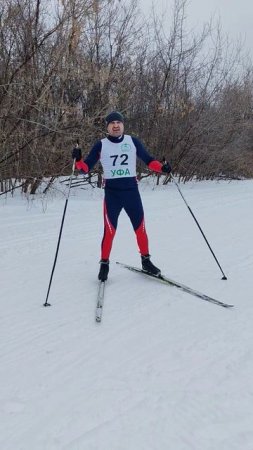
(164, 370)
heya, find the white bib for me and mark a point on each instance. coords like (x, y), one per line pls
(118, 159)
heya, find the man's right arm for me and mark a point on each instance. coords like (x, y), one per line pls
(88, 163)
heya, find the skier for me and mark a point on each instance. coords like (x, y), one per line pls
(117, 154)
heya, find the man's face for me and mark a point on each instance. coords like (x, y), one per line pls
(115, 128)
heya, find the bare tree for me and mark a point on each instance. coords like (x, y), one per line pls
(62, 71)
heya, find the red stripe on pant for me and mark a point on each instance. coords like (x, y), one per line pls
(109, 233)
(142, 239)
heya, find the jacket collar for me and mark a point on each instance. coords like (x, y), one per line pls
(115, 139)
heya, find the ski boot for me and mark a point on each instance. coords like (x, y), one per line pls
(148, 266)
(104, 269)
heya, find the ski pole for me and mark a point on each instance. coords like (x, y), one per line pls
(180, 192)
(59, 238)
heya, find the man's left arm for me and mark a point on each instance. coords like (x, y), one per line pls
(151, 162)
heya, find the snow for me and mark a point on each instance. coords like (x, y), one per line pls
(164, 370)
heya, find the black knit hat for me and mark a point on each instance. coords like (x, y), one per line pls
(114, 115)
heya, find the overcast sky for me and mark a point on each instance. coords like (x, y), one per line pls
(236, 16)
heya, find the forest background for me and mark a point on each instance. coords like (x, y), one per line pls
(187, 95)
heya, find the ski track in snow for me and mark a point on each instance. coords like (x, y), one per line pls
(164, 370)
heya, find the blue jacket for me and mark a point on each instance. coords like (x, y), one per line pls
(118, 183)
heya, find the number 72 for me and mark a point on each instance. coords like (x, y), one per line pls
(123, 157)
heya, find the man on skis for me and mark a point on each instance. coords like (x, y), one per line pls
(118, 153)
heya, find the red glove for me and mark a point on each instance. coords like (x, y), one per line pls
(80, 165)
(156, 166)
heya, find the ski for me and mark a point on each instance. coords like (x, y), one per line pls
(100, 301)
(176, 284)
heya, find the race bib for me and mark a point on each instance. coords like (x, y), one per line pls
(118, 159)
